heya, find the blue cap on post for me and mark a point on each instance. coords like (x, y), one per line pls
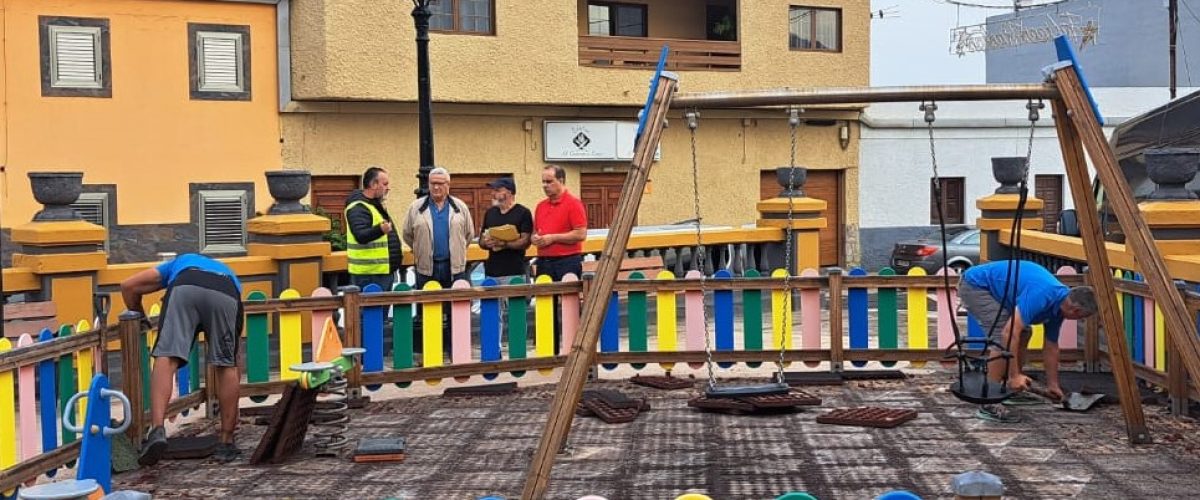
(1062, 45)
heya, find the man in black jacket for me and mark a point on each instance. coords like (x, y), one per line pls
(373, 249)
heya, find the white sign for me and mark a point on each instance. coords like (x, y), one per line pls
(1019, 31)
(591, 141)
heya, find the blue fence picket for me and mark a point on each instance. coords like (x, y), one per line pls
(723, 316)
(857, 298)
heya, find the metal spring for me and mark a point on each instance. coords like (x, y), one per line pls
(329, 417)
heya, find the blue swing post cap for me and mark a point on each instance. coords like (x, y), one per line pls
(659, 71)
(1066, 57)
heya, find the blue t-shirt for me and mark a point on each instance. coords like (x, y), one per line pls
(441, 230)
(1039, 293)
(170, 270)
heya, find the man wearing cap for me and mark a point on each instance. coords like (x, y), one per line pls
(506, 219)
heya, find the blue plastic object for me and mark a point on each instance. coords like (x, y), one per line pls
(1062, 45)
(662, 63)
(898, 495)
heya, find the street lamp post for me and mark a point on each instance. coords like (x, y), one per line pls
(421, 16)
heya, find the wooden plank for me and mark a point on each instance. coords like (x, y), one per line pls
(29, 311)
(42, 351)
(13, 477)
(296, 304)
(473, 293)
(836, 354)
(570, 386)
(131, 375)
(1093, 242)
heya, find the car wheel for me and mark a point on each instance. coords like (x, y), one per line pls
(959, 267)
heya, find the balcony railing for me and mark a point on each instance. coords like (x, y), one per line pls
(642, 53)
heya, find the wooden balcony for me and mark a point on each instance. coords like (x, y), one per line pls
(642, 53)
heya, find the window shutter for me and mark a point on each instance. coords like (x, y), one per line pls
(76, 57)
(93, 207)
(222, 221)
(220, 61)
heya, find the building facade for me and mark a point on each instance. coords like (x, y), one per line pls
(1126, 64)
(516, 84)
(168, 107)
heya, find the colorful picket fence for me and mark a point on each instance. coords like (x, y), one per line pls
(636, 321)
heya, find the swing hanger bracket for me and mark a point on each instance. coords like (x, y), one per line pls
(1034, 109)
(692, 117)
(930, 110)
(794, 116)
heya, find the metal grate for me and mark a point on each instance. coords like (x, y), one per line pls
(222, 221)
(76, 54)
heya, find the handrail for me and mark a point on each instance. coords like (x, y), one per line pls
(1185, 267)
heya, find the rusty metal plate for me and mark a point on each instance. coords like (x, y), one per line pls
(289, 424)
(664, 383)
(868, 417)
(611, 415)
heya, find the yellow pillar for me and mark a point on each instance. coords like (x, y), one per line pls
(997, 212)
(295, 242)
(805, 223)
(65, 256)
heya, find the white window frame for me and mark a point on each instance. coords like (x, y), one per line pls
(205, 196)
(239, 40)
(97, 81)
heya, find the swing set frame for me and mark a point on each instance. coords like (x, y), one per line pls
(1079, 129)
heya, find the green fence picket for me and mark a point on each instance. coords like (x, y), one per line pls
(638, 331)
(517, 325)
(402, 334)
(889, 326)
(258, 345)
(752, 323)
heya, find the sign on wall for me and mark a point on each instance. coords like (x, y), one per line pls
(591, 141)
(1027, 30)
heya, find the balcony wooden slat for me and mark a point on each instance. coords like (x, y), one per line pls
(641, 53)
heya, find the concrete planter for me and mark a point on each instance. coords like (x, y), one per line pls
(57, 191)
(795, 176)
(288, 187)
(1172, 169)
(1008, 171)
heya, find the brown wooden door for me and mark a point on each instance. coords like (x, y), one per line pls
(600, 194)
(1049, 189)
(823, 185)
(473, 190)
(953, 205)
(329, 193)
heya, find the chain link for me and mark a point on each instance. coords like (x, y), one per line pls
(793, 124)
(693, 122)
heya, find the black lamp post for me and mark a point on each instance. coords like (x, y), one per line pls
(421, 16)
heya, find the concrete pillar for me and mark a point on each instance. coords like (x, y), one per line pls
(998, 209)
(806, 220)
(63, 251)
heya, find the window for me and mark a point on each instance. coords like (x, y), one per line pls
(811, 28)
(616, 19)
(219, 62)
(93, 207)
(971, 239)
(952, 200)
(74, 53)
(222, 218)
(463, 16)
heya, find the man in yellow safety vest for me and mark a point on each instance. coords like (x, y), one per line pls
(373, 251)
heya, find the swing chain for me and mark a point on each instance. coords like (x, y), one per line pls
(692, 117)
(788, 261)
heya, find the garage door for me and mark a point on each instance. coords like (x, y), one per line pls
(823, 185)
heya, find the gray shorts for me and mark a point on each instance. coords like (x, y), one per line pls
(981, 305)
(200, 301)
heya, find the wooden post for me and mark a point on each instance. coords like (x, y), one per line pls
(1177, 382)
(1181, 326)
(131, 374)
(583, 350)
(352, 321)
(1098, 270)
(836, 356)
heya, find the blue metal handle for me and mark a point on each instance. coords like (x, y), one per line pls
(128, 409)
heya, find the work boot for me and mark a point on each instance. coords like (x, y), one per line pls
(153, 447)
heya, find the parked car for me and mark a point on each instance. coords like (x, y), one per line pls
(926, 253)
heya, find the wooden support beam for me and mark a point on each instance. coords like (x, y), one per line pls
(574, 375)
(836, 354)
(131, 375)
(1073, 114)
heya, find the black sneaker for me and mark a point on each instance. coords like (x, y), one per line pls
(997, 413)
(153, 447)
(226, 452)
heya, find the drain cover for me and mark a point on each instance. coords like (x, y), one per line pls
(482, 390)
(664, 383)
(609, 414)
(288, 425)
(868, 417)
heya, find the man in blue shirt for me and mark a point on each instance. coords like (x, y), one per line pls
(203, 295)
(1006, 297)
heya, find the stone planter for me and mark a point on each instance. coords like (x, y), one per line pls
(57, 191)
(288, 187)
(1008, 171)
(1172, 169)
(796, 176)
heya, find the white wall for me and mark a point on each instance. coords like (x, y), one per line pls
(895, 165)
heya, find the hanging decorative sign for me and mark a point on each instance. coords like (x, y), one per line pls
(1024, 30)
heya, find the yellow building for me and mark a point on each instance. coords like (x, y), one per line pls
(517, 83)
(168, 107)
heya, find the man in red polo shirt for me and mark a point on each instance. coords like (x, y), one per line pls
(559, 228)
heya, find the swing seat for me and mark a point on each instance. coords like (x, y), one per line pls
(747, 390)
(974, 387)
